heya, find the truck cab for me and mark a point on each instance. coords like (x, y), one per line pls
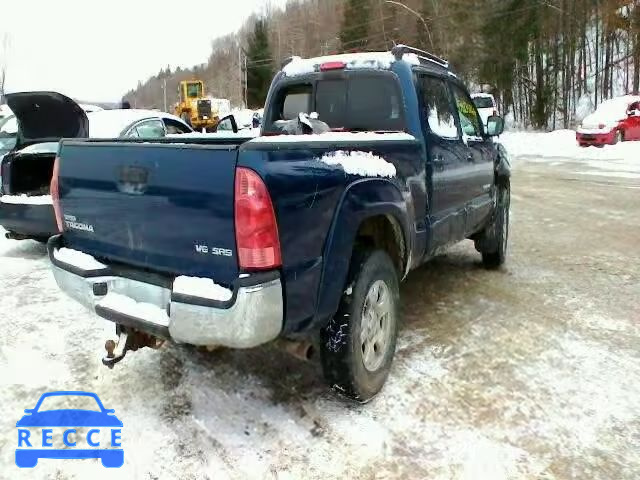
(368, 165)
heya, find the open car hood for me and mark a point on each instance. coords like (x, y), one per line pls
(46, 116)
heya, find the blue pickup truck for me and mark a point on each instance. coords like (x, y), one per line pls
(301, 237)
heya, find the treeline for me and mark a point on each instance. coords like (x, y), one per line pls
(546, 61)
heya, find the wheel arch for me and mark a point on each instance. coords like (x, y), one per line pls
(373, 212)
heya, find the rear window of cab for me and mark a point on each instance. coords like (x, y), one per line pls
(347, 102)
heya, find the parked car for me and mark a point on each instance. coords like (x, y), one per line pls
(135, 123)
(486, 105)
(41, 119)
(616, 120)
(301, 238)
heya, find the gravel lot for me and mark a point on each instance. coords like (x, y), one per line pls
(532, 372)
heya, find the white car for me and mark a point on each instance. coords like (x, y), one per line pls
(486, 105)
(135, 123)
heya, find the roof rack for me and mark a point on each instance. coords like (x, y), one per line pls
(399, 50)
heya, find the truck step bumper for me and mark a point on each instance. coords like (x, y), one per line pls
(252, 317)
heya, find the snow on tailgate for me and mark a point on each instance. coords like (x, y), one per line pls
(27, 200)
(364, 164)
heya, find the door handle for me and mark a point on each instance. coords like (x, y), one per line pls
(438, 162)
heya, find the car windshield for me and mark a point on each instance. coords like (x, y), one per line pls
(361, 102)
(483, 102)
(66, 402)
(194, 90)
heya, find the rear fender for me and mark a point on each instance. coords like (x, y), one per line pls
(362, 200)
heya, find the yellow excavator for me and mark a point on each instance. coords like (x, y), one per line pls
(194, 108)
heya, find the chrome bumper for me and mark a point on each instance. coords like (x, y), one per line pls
(252, 317)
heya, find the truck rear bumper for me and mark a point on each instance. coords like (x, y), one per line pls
(253, 316)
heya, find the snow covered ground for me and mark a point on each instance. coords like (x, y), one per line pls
(621, 160)
(532, 372)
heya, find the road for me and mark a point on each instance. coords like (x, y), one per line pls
(532, 372)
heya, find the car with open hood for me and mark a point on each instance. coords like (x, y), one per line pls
(41, 120)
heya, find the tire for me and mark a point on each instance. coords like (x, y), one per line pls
(492, 243)
(353, 366)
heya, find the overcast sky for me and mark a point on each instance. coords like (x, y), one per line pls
(96, 50)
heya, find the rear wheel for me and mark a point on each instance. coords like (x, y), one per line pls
(493, 240)
(358, 344)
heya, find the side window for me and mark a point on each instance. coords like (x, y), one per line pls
(438, 110)
(294, 100)
(469, 117)
(174, 127)
(151, 129)
(225, 125)
(132, 133)
(331, 102)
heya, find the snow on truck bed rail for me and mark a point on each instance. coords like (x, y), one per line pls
(335, 137)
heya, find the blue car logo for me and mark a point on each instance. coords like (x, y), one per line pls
(37, 438)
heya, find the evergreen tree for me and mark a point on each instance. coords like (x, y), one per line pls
(355, 24)
(259, 65)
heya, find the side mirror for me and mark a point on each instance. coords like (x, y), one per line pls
(495, 126)
(29, 410)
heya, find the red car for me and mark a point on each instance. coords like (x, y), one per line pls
(615, 120)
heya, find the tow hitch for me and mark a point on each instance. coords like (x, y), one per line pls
(128, 340)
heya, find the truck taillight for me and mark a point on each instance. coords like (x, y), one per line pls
(55, 195)
(255, 221)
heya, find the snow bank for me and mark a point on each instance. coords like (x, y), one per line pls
(201, 287)
(27, 200)
(128, 306)
(364, 164)
(335, 137)
(621, 160)
(563, 144)
(77, 259)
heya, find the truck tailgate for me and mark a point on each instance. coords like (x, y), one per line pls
(162, 207)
